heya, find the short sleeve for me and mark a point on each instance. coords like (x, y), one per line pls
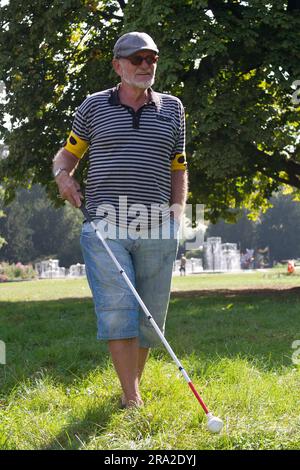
(178, 157)
(78, 140)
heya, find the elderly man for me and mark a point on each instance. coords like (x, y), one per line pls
(136, 141)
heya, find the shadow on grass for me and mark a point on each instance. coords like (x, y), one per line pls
(79, 432)
(60, 335)
(59, 338)
(258, 326)
(55, 341)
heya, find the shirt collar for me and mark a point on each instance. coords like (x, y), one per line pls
(114, 99)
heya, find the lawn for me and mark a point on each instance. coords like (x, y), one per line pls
(59, 390)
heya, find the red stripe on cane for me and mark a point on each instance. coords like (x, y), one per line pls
(198, 397)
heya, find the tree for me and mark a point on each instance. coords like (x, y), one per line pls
(232, 62)
(242, 232)
(279, 228)
(34, 229)
(53, 53)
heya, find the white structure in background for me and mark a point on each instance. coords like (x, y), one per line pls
(218, 256)
(77, 270)
(50, 269)
(3, 151)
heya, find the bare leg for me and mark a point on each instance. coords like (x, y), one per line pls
(129, 361)
(143, 356)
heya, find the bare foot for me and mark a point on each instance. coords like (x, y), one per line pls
(136, 402)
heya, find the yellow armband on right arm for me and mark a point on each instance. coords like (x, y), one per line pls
(76, 145)
(178, 162)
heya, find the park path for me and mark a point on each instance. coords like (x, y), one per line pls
(254, 290)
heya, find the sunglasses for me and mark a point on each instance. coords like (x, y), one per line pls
(138, 59)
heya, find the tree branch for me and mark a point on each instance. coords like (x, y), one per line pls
(277, 164)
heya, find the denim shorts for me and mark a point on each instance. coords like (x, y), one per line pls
(148, 263)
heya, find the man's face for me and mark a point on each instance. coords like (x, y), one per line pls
(141, 75)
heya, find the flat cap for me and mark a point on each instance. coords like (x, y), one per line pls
(130, 43)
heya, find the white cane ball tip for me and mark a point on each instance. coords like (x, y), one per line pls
(214, 424)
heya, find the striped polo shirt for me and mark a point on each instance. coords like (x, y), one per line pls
(130, 153)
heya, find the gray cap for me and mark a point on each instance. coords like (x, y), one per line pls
(130, 43)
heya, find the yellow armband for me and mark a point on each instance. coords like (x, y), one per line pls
(76, 145)
(178, 162)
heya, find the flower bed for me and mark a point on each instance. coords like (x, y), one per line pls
(18, 271)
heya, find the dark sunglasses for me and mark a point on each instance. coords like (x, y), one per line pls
(138, 59)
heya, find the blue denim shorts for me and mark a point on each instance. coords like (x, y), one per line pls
(148, 263)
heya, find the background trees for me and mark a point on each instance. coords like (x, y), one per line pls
(34, 230)
(278, 229)
(231, 62)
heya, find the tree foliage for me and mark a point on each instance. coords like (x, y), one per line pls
(231, 62)
(243, 232)
(278, 229)
(34, 229)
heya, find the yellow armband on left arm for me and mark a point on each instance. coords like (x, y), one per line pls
(76, 145)
(178, 162)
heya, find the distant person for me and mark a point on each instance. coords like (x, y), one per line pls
(182, 265)
(291, 267)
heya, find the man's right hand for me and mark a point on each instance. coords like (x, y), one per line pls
(69, 189)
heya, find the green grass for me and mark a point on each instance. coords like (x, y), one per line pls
(59, 389)
(270, 279)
